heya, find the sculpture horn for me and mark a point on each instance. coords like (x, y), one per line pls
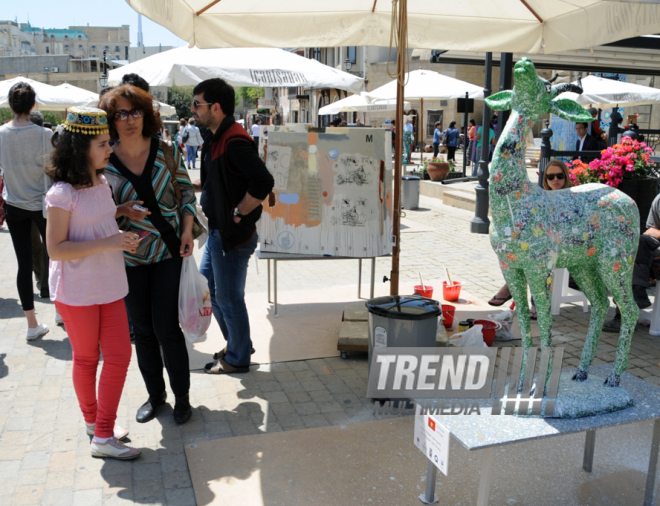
(575, 88)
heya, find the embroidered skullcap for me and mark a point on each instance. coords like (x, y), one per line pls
(86, 120)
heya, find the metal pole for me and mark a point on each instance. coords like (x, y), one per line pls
(429, 497)
(546, 151)
(421, 132)
(398, 151)
(466, 123)
(506, 64)
(480, 222)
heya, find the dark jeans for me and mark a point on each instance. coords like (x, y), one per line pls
(256, 142)
(436, 147)
(153, 306)
(451, 152)
(19, 222)
(227, 273)
(648, 257)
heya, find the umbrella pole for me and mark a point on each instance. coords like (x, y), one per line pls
(398, 155)
(421, 132)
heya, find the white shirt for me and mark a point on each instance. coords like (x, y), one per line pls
(255, 130)
(582, 142)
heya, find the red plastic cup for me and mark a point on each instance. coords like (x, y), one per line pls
(424, 293)
(448, 313)
(488, 330)
(451, 293)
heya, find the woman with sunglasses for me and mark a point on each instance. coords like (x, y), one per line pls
(138, 172)
(555, 177)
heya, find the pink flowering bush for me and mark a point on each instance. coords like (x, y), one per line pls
(628, 160)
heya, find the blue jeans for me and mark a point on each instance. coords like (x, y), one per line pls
(192, 155)
(227, 273)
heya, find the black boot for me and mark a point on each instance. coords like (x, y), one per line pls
(148, 410)
(614, 325)
(182, 410)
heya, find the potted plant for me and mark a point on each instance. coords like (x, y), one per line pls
(437, 168)
(626, 166)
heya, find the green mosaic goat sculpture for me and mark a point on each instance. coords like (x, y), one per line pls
(592, 229)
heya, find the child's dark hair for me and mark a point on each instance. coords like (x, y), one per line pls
(69, 161)
(21, 98)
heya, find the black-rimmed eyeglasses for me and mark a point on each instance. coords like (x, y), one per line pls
(123, 114)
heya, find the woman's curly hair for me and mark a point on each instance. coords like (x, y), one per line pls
(139, 99)
(69, 161)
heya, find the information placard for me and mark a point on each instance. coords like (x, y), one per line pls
(432, 439)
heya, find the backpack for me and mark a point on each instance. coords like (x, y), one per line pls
(186, 135)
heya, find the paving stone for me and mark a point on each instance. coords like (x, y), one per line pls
(180, 497)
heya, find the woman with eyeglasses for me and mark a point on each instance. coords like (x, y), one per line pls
(555, 177)
(139, 172)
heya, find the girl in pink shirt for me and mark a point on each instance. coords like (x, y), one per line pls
(87, 274)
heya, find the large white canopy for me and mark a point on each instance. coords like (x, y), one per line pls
(262, 67)
(515, 26)
(603, 92)
(363, 102)
(49, 98)
(431, 85)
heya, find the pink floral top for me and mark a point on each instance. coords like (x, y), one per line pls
(98, 278)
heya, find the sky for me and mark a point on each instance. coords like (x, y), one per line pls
(65, 13)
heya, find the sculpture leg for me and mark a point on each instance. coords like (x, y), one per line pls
(590, 282)
(541, 286)
(620, 284)
(518, 288)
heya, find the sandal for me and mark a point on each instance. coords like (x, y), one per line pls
(220, 366)
(498, 301)
(220, 355)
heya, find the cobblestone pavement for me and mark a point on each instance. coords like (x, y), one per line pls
(44, 452)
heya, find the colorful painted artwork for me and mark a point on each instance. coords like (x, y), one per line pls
(592, 230)
(265, 129)
(333, 193)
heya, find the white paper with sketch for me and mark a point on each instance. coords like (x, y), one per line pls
(333, 193)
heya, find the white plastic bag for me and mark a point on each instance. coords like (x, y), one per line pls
(471, 338)
(195, 310)
(505, 318)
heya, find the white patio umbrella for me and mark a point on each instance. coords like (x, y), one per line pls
(164, 109)
(363, 102)
(261, 67)
(514, 26)
(49, 98)
(610, 93)
(428, 84)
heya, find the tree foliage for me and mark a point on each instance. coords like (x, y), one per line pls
(181, 98)
(51, 117)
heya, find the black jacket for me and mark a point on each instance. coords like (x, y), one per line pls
(590, 144)
(231, 167)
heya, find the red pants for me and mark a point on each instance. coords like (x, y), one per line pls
(88, 327)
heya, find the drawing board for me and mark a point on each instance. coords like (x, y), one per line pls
(265, 129)
(333, 193)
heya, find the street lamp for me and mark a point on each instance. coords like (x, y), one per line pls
(347, 65)
(103, 78)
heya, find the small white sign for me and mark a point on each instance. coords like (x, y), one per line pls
(432, 439)
(380, 335)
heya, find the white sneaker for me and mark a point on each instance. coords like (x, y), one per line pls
(58, 319)
(37, 332)
(113, 449)
(119, 432)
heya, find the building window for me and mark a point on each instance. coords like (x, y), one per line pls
(52, 36)
(316, 53)
(80, 46)
(66, 36)
(107, 48)
(117, 57)
(117, 48)
(79, 36)
(66, 46)
(93, 56)
(93, 47)
(350, 54)
(47, 50)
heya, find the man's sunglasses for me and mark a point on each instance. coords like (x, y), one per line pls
(196, 104)
(551, 177)
(123, 114)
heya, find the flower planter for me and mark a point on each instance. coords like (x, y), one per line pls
(437, 171)
(643, 192)
(454, 175)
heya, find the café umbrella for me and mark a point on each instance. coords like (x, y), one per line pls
(258, 67)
